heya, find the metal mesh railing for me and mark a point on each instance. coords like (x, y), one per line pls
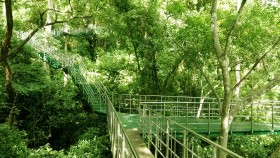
(163, 133)
(203, 114)
(168, 138)
(165, 121)
(120, 144)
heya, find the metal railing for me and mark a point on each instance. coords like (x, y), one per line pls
(259, 116)
(168, 138)
(164, 136)
(121, 146)
(120, 143)
(203, 114)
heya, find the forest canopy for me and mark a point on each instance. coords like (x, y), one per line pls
(228, 50)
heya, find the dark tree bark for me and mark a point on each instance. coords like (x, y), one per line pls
(6, 51)
(4, 58)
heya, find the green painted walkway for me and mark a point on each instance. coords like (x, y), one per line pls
(205, 126)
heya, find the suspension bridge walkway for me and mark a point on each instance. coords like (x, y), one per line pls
(159, 126)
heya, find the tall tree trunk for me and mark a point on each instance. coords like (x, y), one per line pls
(155, 74)
(224, 65)
(4, 58)
(8, 88)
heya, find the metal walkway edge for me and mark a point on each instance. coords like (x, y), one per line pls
(129, 142)
(138, 143)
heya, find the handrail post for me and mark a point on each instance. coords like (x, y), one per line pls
(187, 115)
(123, 146)
(167, 139)
(157, 141)
(209, 118)
(150, 129)
(272, 121)
(185, 144)
(130, 103)
(252, 118)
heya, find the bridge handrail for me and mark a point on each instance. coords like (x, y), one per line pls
(152, 114)
(113, 118)
(69, 61)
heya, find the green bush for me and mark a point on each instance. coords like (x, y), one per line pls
(90, 145)
(12, 142)
(46, 151)
(257, 146)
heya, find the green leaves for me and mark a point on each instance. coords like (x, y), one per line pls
(12, 142)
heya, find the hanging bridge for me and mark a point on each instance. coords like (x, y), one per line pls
(159, 126)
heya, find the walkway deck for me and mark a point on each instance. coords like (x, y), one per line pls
(138, 143)
(205, 126)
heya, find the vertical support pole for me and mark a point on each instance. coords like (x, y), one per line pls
(209, 118)
(130, 107)
(272, 121)
(187, 115)
(157, 141)
(120, 99)
(164, 108)
(252, 118)
(150, 129)
(123, 146)
(185, 144)
(178, 109)
(167, 139)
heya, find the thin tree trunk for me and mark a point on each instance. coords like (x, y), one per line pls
(155, 74)
(9, 89)
(4, 58)
(224, 65)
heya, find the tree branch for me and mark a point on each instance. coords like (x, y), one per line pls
(276, 43)
(234, 25)
(57, 11)
(71, 8)
(212, 88)
(173, 71)
(16, 49)
(214, 29)
(204, 75)
(56, 22)
(255, 94)
(221, 56)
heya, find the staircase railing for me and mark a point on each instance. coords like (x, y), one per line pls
(120, 143)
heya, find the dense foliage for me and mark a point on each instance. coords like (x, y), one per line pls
(52, 119)
(133, 46)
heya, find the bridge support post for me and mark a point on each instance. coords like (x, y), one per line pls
(123, 146)
(209, 115)
(185, 144)
(157, 140)
(167, 139)
(272, 117)
(252, 118)
(150, 129)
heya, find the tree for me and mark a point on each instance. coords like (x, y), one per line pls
(222, 55)
(7, 50)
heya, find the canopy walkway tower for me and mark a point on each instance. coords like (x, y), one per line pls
(159, 126)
